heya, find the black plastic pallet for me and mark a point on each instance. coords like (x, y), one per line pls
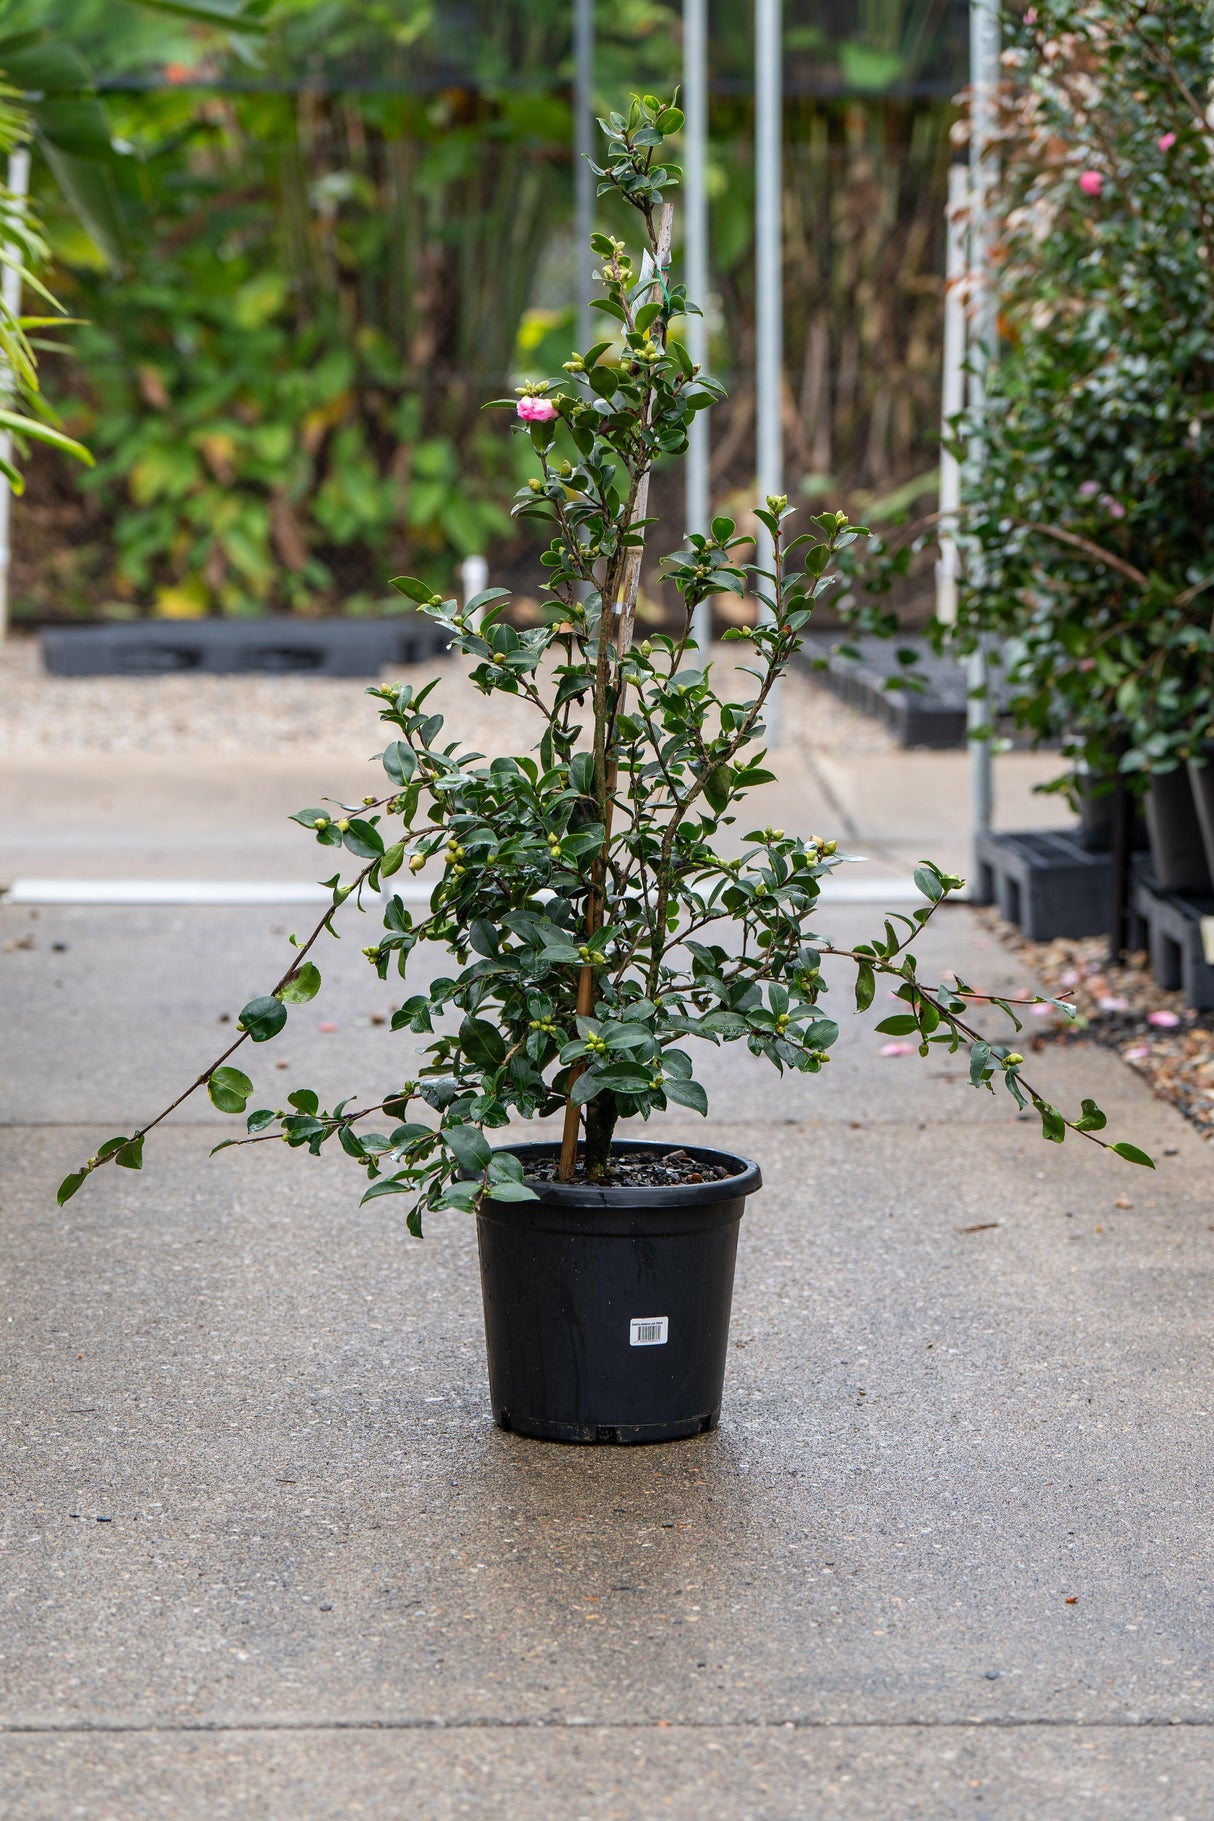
(1178, 934)
(1046, 881)
(934, 716)
(324, 648)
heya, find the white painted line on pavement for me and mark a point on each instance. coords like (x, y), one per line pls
(294, 891)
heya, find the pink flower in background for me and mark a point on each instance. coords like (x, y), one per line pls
(1086, 664)
(1030, 15)
(1113, 507)
(1091, 183)
(1088, 489)
(1166, 141)
(536, 410)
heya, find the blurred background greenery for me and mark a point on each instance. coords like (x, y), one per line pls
(313, 251)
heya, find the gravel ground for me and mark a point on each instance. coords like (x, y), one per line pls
(258, 714)
(1161, 1039)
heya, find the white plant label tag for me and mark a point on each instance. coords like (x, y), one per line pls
(648, 1331)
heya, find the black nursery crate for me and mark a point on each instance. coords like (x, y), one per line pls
(1046, 881)
(323, 648)
(934, 716)
(1178, 934)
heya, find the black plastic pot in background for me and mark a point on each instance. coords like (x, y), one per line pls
(607, 1310)
(1178, 855)
(1201, 780)
(1097, 813)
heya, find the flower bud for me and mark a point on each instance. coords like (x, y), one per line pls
(416, 862)
(343, 823)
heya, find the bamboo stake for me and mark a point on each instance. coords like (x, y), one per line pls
(629, 590)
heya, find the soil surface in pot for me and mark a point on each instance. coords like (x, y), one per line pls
(640, 1170)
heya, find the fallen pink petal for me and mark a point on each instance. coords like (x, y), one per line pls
(1166, 141)
(897, 1049)
(326, 1027)
(1091, 183)
(1112, 1004)
(1138, 1052)
(1164, 1021)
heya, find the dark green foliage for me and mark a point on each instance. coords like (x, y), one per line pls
(597, 936)
(1090, 533)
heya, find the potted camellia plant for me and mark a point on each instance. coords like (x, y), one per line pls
(598, 937)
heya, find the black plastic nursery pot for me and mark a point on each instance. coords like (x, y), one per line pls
(607, 1309)
(1201, 779)
(1178, 856)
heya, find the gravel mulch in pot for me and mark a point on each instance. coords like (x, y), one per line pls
(1153, 1031)
(640, 1170)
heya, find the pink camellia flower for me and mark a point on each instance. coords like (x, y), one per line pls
(536, 410)
(1091, 183)
(1088, 489)
(1166, 141)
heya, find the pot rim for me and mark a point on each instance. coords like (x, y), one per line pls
(747, 1178)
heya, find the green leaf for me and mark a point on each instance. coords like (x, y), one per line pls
(399, 762)
(229, 1090)
(511, 1191)
(900, 1026)
(303, 985)
(67, 1188)
(980, 1060)
(866, 985)
(1132, 1154)
(462, 1195)
(364, 839)
(130, 1156)
(469, 1146)
(483, 937)
(262, 1018)
(929, 884)
(687, 1094)
(1053, 1125)
(416, 591)
(1091, 1119)
(482, 1043)
(258, 1121)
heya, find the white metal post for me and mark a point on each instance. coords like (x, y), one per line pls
(952, 390)
(18, 185)
(985, 45)
(583, 176)
(695, 243)
(473, 580)
(769, 279)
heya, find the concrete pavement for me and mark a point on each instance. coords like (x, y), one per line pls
(265, 1554)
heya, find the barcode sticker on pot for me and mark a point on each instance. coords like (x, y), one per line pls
(648, 1331)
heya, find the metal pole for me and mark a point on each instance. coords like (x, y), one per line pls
(985, 44)
(769, 282)
(10, 289)
(583, 176)
(952, 391)
(695, 206)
